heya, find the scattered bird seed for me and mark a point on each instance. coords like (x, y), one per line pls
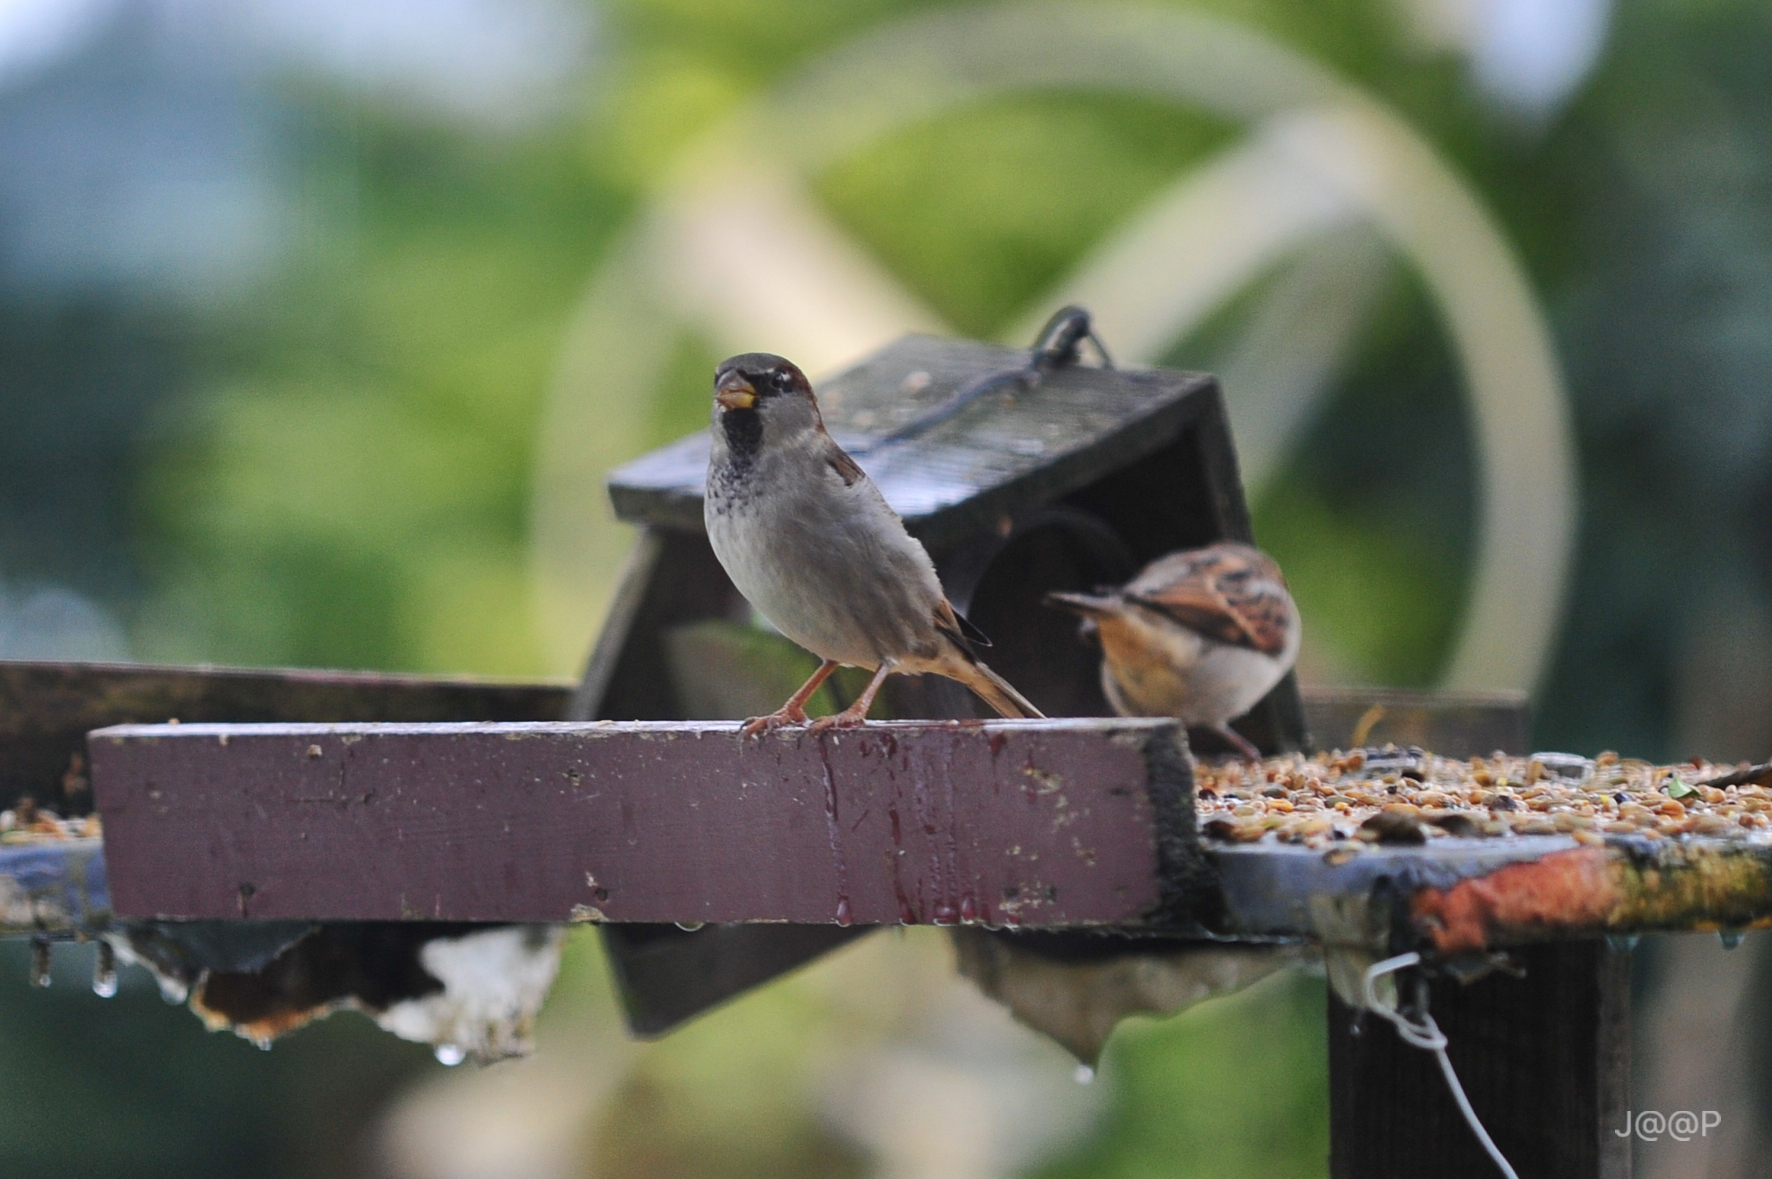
(1349, 798)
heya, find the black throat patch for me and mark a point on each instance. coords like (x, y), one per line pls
(744, 436)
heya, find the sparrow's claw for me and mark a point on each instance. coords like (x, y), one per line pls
(1245, 748)
(849, 718)
(779, 719)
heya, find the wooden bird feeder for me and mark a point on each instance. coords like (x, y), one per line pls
(365, 814)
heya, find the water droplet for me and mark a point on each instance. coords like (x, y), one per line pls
(450, 1055)
(689, 926)
(1622, 943)
(39, 962)
(263, 1044)
(104, 972)
(1730, 938)
(946, 913)
(968, 910)
(171, 990)
(843, 911)
(1084, 1075)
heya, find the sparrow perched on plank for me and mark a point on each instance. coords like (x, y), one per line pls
(810, 541)
(1200, 635)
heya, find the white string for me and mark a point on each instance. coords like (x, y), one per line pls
(1425, 1034)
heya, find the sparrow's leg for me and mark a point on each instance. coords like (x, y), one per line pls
(856, 714)
(1237, 739)
(794, 711)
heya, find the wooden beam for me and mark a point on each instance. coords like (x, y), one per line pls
(1031, 823)
(47, 708)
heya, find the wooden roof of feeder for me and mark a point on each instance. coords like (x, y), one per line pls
(1005, 453)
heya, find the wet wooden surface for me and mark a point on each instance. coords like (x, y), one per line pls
(46, 709)
(1033, 823)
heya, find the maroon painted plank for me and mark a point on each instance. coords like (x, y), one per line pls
(1019, 822)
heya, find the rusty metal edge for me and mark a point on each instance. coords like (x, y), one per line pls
(1630, 885)
(1468, 895)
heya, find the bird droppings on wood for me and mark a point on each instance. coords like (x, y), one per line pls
(470, 992)
(1079, 1001)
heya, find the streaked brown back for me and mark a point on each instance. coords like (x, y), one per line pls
(1230, 592)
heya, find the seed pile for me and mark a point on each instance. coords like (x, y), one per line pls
(1396, 795)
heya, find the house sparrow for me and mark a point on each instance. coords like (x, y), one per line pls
(810, 541)
(1200, 635)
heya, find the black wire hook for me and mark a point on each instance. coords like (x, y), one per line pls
(1058, 345)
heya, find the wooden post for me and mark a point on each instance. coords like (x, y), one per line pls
(1544, 1059)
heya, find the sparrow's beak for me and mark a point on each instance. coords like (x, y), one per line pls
(732, 391)
(1087, 605)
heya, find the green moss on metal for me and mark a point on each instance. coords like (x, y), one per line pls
(1693, 886)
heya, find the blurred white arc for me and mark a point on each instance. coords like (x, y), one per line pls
(748, 233)
(1297, 176)
(1325, 173)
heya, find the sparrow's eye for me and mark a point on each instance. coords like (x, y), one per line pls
(781, 380)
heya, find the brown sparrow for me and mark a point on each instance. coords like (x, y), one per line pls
(810, 541)
(1200, 635)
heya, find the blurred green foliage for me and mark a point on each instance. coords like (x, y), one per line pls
(1372, 520)
(131, 1086)
(1234, 1088)
(981, 211)
(730, 1096)
(346, 484)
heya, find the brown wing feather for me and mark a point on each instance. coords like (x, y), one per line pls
(968, 669)
(847, 468)
(1229, 592)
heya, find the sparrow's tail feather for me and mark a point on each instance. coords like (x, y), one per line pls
(998, 692)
